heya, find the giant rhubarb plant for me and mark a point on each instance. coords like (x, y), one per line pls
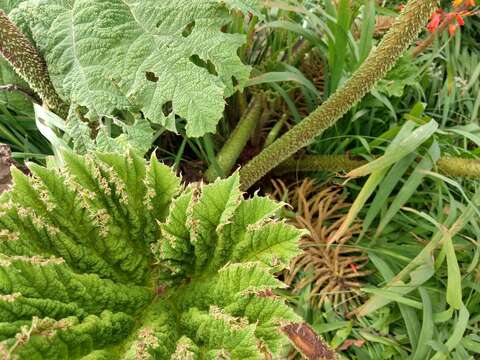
(160, 58)
(112, 258)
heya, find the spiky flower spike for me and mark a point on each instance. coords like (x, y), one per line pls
(404, 31)
(113, 259)
(28, 63)
(332, 271)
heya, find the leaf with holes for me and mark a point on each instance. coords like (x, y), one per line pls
(164, 58)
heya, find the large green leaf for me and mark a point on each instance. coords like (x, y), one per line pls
(111, 258)
(8, 5)
(163, 58)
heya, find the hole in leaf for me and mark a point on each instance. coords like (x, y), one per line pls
(208, 65)
(188, 29)
(167, 108)
(151, 76)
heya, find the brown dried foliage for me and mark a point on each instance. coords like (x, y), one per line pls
(309, 344)
(332, 270)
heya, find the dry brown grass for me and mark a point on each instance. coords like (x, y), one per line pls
(332, 271)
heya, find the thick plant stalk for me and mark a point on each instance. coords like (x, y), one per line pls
(405, 30)
(332, 163)
(231, 150)
(17, 49)
(459, 167)
(450, 166)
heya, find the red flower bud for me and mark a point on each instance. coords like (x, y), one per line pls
(452, 28)
(459, 20)
(434, 21)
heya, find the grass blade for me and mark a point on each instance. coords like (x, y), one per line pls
(426, 333)
(280, 76)
(424, 258)
(393, 296)
(368, 28)
(454, 280)
(457, 334)
(367, 190)
(386, 188)
(410, 186)
(409, 315)
(400, 150)
(369, 187)
(339, 47)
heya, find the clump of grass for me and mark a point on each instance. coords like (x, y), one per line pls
(333, 271)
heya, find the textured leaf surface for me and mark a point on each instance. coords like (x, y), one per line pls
(9, 5)
(113, 259)
(244, 5)
(143, 55)
(137, 136)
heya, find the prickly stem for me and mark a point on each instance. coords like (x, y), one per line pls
(404, 31)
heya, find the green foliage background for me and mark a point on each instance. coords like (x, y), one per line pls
(419, 226)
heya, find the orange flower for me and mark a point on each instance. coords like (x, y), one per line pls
(451, 20)
(459, 19)
(457, 3)
(452, 28)
(435, 20)
(455, 20)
